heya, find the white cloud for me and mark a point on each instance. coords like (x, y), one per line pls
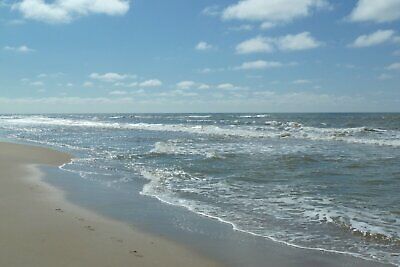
(203, 86)
(346, 65)
(64, 11)
(183, 93)
(19, 49)
(50, 75)
(37, 83)
(267, 25)
(259, 64)
(301, 41)
(376, 11)
(218, 101)
(394, 66)
(185, 84)
(375, 38)
(290, 42)
(211, 11)
(109, 77)
(134, 84)
(118, 93)
(258, 44)
(151, 83)
(87, 84)
(384, 77)
(210, 70)
(277, 11)
(226, 86)
(302, 81)
(202, 46)
(396, 53)
(244, 27)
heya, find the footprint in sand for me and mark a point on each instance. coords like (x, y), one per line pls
(135, 252)
(90, 228)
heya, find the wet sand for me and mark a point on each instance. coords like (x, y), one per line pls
(38, 227)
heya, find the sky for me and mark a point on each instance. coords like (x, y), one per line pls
(77, 56)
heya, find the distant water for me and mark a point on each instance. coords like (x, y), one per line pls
(326, 181)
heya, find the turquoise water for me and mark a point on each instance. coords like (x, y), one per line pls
(326, 181)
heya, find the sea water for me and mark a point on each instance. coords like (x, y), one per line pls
(318, 181)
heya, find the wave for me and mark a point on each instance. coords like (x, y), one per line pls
(271, 129)
(159, 186)
(116, 117)
(199, 116)
(175, 147)
(255, 116)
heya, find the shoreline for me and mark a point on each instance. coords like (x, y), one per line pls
(40, 228)
(218, 243)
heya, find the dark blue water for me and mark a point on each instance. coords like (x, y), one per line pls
(327, 181)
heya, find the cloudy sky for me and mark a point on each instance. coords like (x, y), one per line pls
(199, 56)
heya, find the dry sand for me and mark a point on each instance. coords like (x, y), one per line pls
(38, 227)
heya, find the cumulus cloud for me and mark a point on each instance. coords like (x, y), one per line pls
(53, 75)
(109, 76)
(203, 86)
(19, 49)
(118, 93)
(273, 11)
(65, 11)
(37, 83)
(185, 84)
(226, 86)
(151, 83)
(211, 70)
(134, 84)
(211, 11)
(301, 81)
(244, 27)
(301, 41)
(377, 11)
(258, 44)
(290, 42)
(384, 77)
(267, 25)
(394, 66)
(87, 84)
(375, 38)
(203, 46)
(258, 65)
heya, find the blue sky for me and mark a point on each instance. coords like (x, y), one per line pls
(199, 56)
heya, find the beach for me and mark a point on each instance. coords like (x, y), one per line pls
(40, 228)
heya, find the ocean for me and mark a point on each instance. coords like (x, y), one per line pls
(318, 181)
